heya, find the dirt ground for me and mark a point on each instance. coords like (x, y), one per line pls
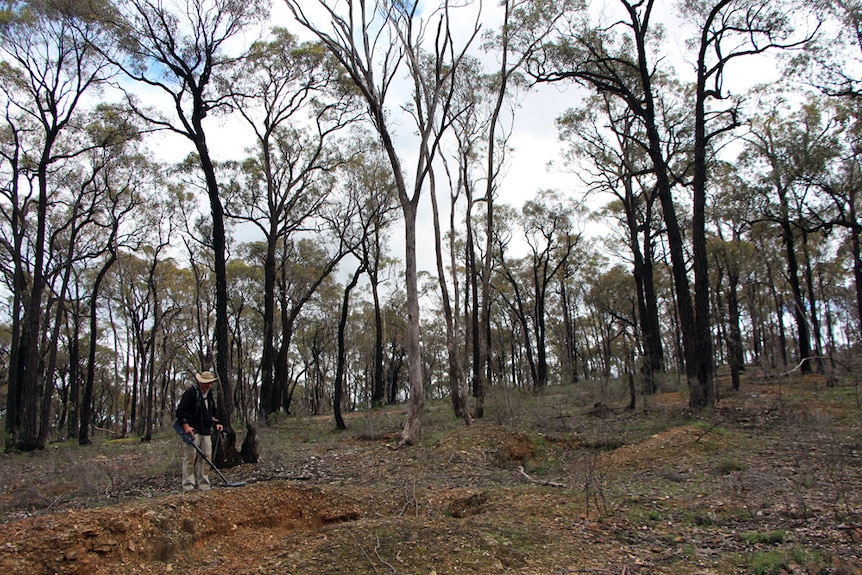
(768, 482)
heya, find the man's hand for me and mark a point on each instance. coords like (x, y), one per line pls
(219, 427)
(188, 429)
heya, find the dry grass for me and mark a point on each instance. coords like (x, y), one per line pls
(767, 482)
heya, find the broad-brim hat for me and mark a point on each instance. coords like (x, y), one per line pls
(206, 377)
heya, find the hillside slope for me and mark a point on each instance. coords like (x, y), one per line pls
(769, 482)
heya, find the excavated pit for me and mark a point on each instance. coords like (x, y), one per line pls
(174, 530)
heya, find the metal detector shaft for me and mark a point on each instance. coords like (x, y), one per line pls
(191, 441)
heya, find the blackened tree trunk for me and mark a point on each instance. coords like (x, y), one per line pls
(179, 48)
(87, 395)
(813, 306)
(73, 416)
(647, 304)
(803, 333)
(856, 252)
(378, 387)
(734, 342)
(50, 54)
(338, 391)
(728, 31)
(570, 347)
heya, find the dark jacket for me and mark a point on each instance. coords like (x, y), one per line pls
(197, 411)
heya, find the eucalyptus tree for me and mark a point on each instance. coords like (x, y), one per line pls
(733, 253)
(548, 224)
(611, 303)
(468, 126)
(186, 185)
(396, 320)
(832, 61)
(605, 150)
(49, 68)
(376, 43)
(620, 58)
(525, 26)
(360, 216)
(89, 204)
(833, 67)
(370, 181)
(725, 32)
(152, 301)
(787, 150)
(305, 264)
(840, 187)
(312, 353)
(291, 96)
(120, 180)
(624, 56)
(177, 48)
(340, 354)
(768, 299)
(246, 286)
(569, 298)
(245, 281)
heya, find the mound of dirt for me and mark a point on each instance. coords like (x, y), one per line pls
(176, 532)
(769, 482)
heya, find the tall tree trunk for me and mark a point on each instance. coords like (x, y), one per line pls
(278, 399)
(570, 373)
(338, 392)
(87, 398)
(219, 245)
(539, 323)
(267, 385)
(734, 341)
(803, 335)
(475, 315)
(74, 397)
(702, 386)
(456, 375)
(16, 357)
(378, 388)
(699, 395)
(812, 306)
(647, 305)
(856, 252)
(413, 424)
(27, 436)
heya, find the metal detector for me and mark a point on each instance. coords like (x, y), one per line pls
(191, 441)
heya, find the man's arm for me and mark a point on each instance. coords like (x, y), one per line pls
(184, 411)
(214, 409)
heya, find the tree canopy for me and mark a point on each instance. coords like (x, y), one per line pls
(332, 234)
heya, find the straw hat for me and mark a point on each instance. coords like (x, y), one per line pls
(206, 377)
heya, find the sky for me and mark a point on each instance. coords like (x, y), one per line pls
(534, 137)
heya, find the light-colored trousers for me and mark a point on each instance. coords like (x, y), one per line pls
(196, 472)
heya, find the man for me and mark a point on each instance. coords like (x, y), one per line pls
(196, 415)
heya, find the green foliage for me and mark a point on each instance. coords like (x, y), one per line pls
(775, 562)
(644, 517)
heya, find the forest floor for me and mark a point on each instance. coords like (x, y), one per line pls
(768, 482)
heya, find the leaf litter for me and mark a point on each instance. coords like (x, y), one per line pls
(766, 482)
